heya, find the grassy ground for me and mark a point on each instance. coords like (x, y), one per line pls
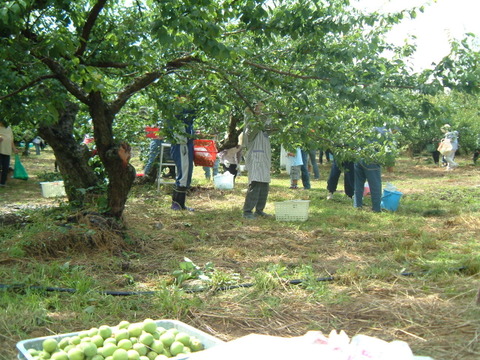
(412, 275)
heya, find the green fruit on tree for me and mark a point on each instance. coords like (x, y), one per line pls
(133, 355)
(140, 348)
(176, 348)
(167, 338)
(105, 331)
(49, 345)
(183, 338)
(76, 354)
(146, 339)
(149, 326)
(157, 346)
(120, 354)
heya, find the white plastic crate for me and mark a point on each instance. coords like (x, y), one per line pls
(53, 189)
(207, 340)
(292, 210)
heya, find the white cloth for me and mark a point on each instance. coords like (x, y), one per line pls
(6, 134)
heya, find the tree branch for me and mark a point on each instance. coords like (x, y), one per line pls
(87, 28)
(29, 85)
(61, 75)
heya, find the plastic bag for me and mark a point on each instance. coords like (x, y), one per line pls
(445, 146)
(19, 171)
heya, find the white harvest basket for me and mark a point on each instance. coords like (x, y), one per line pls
(292, 210)
(53, 189)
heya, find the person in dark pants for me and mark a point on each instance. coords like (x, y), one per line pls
(181, 152)
(348, 178)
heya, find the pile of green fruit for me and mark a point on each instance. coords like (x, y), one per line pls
(126, 341)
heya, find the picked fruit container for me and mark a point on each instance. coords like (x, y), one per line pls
(208, 341)
(53, 189)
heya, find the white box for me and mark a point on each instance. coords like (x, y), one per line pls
(207, 340)
(53, 189)
(292, 210)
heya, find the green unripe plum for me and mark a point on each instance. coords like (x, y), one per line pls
(76, 354)
(44, 355)
(108, 349)
(146, 339)
(157, 346)
(68, 347)
(133, 355)
(97, 340)
(176, 348)
(183, 338)
(167, 338)
(49, 345)
(93, 331)
(89, 349)
(140, 348)
(151, 355)
(195, 344)
(135, 330)
(75, 340)
(63, 342)
(97, 357)
(125, 344)
(110, 341)
(123, 324)
(149, 326)
(120, 354)
(60, 355)
(122, 334)
(105, 331)
(161, 357)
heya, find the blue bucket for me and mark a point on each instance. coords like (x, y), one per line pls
(391, 200)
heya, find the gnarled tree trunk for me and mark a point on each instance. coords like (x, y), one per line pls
(72, 157)
(114, 156)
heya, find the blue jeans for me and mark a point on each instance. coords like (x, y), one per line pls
(304, 169)
(154, 151)
(348, 177)
(206, 169)
(371, 173)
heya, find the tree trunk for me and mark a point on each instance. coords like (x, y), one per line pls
(71, 157)
(114, 156)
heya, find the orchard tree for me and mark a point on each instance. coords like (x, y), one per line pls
(319, 66)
